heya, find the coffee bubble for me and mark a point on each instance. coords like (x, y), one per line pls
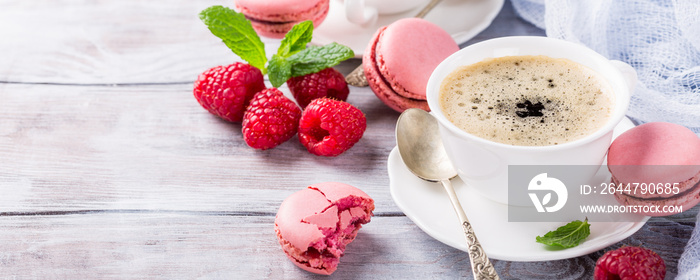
(527, 100)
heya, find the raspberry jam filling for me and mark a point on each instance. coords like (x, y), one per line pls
(269, 22)
(351, 213)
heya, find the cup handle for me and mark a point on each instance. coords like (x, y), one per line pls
(628, 72)
(357, 13)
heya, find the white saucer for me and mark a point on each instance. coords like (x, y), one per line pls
(462, 19)
(428, 206)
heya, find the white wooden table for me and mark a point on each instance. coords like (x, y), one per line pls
(109, 168)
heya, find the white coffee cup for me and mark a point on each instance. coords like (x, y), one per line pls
(366, 12)
(483, 164)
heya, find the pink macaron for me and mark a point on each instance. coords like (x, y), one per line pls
(661, 163)
(314, 225)
(400, 58)
(273, 18)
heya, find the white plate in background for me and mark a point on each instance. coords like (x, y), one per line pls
(462, 19)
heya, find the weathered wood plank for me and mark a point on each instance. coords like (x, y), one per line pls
(126, 42)
(154, 147)
(187, 245)
(117, 172)
(107, 41)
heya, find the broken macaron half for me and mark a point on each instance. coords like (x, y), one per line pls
(315, 225)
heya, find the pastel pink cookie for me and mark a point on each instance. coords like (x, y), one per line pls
(273, 18)
(400, 58)
(658, 153)
(314, 225)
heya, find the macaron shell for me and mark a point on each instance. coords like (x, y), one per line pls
(271, 24)
(272, 8)
(293, 253)
(278, 30)
(408, 51)
(380, 87)
(315, 224)
(310, 269)
(334, 191)
(291, 214)
(655, 144)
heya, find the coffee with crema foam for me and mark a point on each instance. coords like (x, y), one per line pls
(527, 100)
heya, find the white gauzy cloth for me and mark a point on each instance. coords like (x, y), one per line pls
(660, 39)
(689, 264)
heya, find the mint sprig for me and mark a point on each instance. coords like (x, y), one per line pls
(293, 58)
(307, 61)
(296, 39)
(280, 70)
(567, 236)
(317, 58)
(237, 33)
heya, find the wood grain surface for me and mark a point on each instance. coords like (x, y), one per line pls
(110, 169)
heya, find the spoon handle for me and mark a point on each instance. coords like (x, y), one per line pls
(481, 265)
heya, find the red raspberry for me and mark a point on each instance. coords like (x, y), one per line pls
(326, 83)
(329, 127)
(270, 120)
(225, 91)
(629, 263)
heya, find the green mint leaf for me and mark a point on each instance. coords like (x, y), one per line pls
(317, 58)
(279, 70)
(296, 39)
(567, 236)
(237, 33)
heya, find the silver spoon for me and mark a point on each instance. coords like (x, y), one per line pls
(357, 77)
(421, 149)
